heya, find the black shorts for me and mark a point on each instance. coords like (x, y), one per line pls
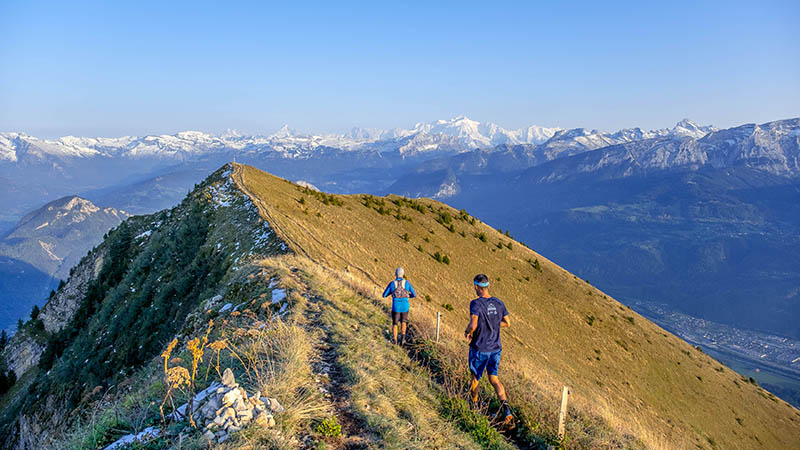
(399, 317)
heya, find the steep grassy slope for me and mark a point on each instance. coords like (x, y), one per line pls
(621, 367)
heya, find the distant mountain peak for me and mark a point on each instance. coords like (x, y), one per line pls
(54, 237)
(284, 132)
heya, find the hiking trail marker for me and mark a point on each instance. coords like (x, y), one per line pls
(438, 319)
(562, 415)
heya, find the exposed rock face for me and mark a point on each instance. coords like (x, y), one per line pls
(36, 432)
(23, 351)
(60, 309)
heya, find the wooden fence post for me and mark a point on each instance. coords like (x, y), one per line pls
(562, 415)
(438, 319)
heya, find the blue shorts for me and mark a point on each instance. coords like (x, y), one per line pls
(480, 361)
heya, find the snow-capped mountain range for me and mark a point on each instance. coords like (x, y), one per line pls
(454, 135)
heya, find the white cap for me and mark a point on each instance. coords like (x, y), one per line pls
(399, 272)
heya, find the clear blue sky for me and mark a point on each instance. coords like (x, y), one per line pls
(108, 68)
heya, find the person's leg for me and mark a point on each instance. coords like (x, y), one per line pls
(473, 389)
(498, 387)
(477, 364)
(395, 317)
(491, 369)
(403, 320)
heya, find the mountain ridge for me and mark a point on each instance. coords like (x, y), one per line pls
(459, 131)
(565, 332)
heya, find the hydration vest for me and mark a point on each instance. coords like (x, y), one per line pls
(400, 291)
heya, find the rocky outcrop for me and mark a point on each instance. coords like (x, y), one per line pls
(23, 350)
(218, 410)
(227, 408)
(58, 311)
(22, 353)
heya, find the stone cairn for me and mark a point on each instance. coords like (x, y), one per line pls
(226, 408)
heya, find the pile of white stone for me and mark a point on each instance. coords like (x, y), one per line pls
(218, 410)
(226, 408)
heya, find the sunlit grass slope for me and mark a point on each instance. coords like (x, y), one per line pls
(622, 368)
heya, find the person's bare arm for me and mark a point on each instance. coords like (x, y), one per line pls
(471, 326)
(505, 322)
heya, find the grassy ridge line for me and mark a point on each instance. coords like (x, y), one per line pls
(641, 379)
(393, 399)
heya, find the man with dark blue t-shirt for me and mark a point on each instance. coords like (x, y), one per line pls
(487, 315)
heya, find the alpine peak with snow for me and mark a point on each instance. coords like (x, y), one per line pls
(457, 134)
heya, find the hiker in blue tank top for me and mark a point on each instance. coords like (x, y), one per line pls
(400, 290)
(487, 315)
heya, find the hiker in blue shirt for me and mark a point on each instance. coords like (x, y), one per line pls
(400, 290)
(487, 315)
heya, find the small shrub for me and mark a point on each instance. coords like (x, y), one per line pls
(630, 319)
(477, 425)
(500, 245)
(427, 298)
(448, 306)
(444, 218)
(509, 245)
(590, 319)
(302, 200)
(446, 259)
(481, 236)
(421, 250)
(426, 239)
(329, 427)
(405, 237)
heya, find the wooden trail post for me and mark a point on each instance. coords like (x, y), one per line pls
(562, 415)
(438, 319)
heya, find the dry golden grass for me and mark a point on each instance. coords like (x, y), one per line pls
(621, 367)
